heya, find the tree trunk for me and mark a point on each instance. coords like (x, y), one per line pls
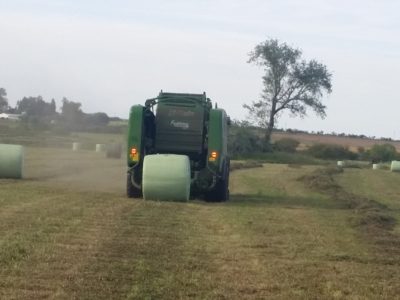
(271, 124)
(267, 136)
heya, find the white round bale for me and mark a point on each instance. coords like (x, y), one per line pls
(340, 163)
(100, 147)
(76, 146)
(395, 166)
(376, 166)
(166, 177)
(11, 161)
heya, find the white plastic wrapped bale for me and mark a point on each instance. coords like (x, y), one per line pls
(11, 161)
(166, 177)
(76, 146)
(340, 163)
(376, 166)
(100, 147)
(395, 166)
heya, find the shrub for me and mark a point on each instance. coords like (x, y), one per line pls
(244, 141)
(330, 151)
(286, 145)
(382, 153)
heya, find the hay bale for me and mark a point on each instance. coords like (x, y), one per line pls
(395, 166)
(11, 161)
(376, 166)
(354, 164)
(340, 163)
(166, 177)
(100, 147)
(114, 151)
(76, 146)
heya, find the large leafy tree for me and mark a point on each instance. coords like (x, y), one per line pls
(290, 84)
(3, 100)
(36, 107)
(71, 114)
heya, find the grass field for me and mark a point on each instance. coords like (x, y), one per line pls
(67, 231)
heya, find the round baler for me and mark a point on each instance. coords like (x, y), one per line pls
(177, 148)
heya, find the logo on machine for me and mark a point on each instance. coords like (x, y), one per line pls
(180, 113)
(178, 124)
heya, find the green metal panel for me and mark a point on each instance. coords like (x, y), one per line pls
(180, 126)
(135, 134)
(217, 139)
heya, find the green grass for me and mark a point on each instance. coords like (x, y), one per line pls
(379, 185)
(68, 231)
(284, 158)
(37, 138)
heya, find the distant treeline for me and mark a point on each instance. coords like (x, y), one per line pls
(349, 135)
(36, 113)
(246, 141)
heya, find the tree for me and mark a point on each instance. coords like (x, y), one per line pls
(3, 100)
(290, 83)
(382, 153)
(36, 107)
(52, 106)
(71, 114)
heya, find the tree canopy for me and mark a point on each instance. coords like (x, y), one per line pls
(3, 100)
(290, 83)
(36, 106)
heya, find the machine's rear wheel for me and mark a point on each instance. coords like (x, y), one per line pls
(131, 190)
(221, 191)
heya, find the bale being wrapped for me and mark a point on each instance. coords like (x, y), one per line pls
(166, 177)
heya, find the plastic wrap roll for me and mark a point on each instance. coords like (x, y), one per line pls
(11, 161)
(76, 146)
(395, 166)
(166, 177)
(100, 147)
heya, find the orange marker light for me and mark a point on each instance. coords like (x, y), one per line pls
(213, 156)
(134, 154)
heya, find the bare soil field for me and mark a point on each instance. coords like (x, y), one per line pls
(67, 231)
(352, 143)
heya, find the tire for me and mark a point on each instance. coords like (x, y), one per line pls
(131, 190)
(221, 190)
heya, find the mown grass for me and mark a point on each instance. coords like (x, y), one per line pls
(284, 158)
(379, 185)
(14, 132)
(68, 231)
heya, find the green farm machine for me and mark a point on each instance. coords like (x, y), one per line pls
(177, 149)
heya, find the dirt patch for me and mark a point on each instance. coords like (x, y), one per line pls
(374, 219)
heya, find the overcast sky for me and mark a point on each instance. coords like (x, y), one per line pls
(109, 55)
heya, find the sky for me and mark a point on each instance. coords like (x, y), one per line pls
(109, 55)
